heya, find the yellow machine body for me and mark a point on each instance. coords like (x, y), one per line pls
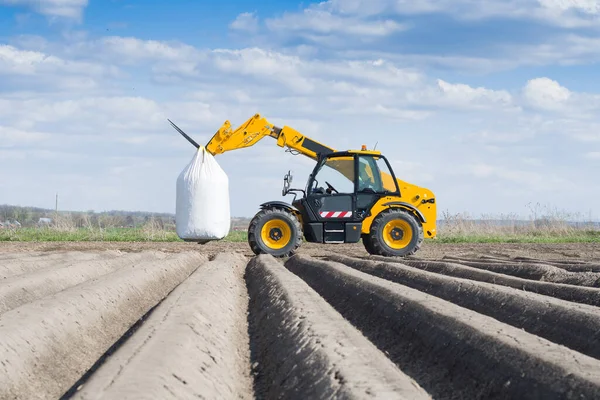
(416, 199)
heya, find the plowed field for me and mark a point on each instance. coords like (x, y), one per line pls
(163, 321)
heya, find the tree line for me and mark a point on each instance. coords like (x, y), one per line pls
(35, 216)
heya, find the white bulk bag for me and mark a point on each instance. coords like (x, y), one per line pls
(202, 206)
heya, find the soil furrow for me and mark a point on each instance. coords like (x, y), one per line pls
(24, 288)
(573, 325)
(577, 294)
(552, 261)
(538, 271)
(304, 349)
(570, 266)
(21, 254)
(46, 345)
(194, 345)
(451, 351)
(20, 266)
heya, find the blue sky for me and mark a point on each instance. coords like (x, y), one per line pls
(493, 105)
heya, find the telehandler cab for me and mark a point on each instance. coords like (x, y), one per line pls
(350, 195)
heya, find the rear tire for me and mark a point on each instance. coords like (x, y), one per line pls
(275, 231)
(367, 244)
(394, 233)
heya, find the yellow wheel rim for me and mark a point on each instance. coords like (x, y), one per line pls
(397, 234)
(276, 234)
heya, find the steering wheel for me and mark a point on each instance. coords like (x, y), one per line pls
(331, 187)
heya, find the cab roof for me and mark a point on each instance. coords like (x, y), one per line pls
(366, 152)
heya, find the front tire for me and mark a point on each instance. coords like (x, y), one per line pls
(275, 231)
(394, 233)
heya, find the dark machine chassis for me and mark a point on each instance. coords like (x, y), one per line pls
(317, 211)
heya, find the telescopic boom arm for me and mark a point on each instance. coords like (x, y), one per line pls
(256, 128)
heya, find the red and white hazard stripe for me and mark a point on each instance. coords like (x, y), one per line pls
(336, 214)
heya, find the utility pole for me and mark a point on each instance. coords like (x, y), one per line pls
(56, 205)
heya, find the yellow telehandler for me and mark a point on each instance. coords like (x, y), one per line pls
(350, 195)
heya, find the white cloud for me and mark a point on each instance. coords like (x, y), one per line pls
(459, 96)
(245, 22)
(369, 26)
(586, 6)
(531, 180)
(546, 93)
(533, 161)
(308, 76)
(72, 9)
(593, 155)
(323, 22)
(341, 101)
(24, 62)
(112, 118)
(335, 14)
(274, 71)
(10, 136)
(133, 49)
(565, 50)
(42, 72)
(412, 171)
(489, 137)
(586, 130)
(465, 94)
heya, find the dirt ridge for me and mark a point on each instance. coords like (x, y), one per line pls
(24, 288)
(452, 352)
(304, 349)
(577, 294)
(573, 325)
(537, 271)
(67, 332)
(194, 344)
(20, 266)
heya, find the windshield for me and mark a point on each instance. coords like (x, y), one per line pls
(375, 176)
(338, 172)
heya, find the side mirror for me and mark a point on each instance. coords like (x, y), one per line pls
(287, 182)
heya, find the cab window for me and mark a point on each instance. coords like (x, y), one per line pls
(338, 172)
(375, 176)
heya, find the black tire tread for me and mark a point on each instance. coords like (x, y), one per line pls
(367, 243)
(266, 212)
(376, 247)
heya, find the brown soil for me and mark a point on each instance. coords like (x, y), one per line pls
(538, 271)
(571, 265)
(160, 319)
(452, 352)
(303, 349)
(27, 287)
(430, 250)
(193, 345)
(576, 326)
(24, 265)
(578, 294)
(46, 345)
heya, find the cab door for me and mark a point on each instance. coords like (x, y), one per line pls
(332, 188)
(332, 196)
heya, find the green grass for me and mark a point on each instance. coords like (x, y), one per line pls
(573, 237)
(99, 235)
(236, 237)
(156, 235)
